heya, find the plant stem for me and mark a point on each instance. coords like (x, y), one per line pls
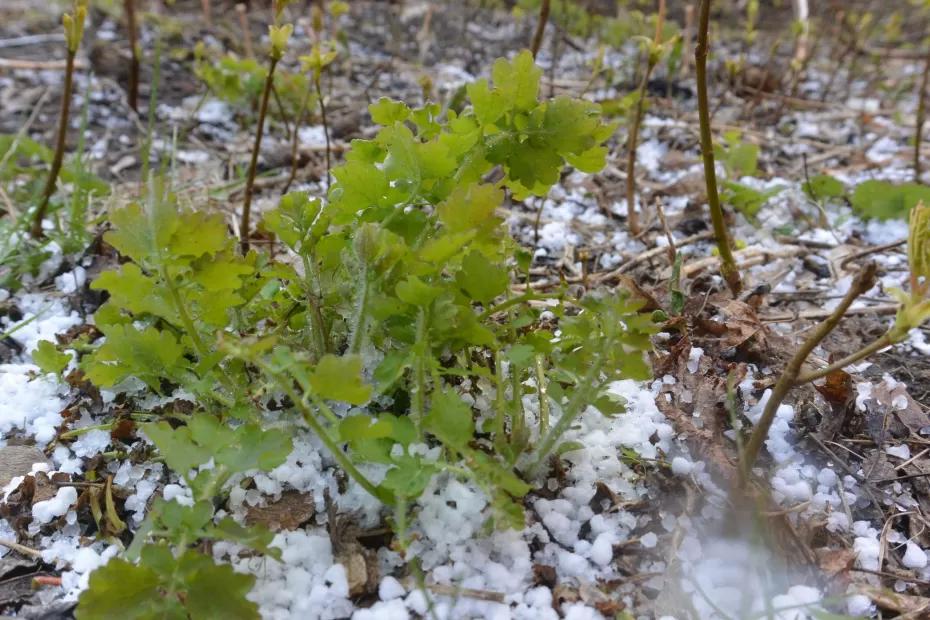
(53, 173)
(316, 315)
(360, 319)
(500, 405)
(544, 8)
(886, 340)
(295, 141)
(632, 219)
(202, 351)
(728, 267)
(253, 164)
(921, 114)
(319, 93)
(542, 390)
(418, 402)
(310, 418)
(207, 13)
(129, 7)
(513, 301)
(579, 400)
(246, 30)
(153, 98)
(789, 378)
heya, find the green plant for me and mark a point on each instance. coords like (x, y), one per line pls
(183, 284)
(74, 32)
(399, 322)
(741, 159)
(240, 81)
(823, 187)
(728, 267)
(411, 224)
(166, 305)
(885, 200)
(162, 575)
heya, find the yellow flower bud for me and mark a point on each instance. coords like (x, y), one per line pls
(74, 25)
(279, 36)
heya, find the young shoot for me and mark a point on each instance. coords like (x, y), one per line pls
(74, 32)
(279, 36)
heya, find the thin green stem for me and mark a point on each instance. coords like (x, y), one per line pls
(153, 99)
(245, 222)
(324, 409)
(585, 388)
(421, 347)
(323, 433)
(63, 117)
(324, 120)
(202, 350)
(652, 57)
(316, 314)
(722, 235)
(295, 140)
(360, 317)
(513, 301)
(500, 406)
(542, 391)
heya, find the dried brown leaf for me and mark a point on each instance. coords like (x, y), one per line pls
(289, 512)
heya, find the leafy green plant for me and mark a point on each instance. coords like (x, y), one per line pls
(823, 187)
(49, 359)
(240, 81)
(182, 283)
(885, 200)
(739, 158)
(23, 178)
(398, 321)
(410, 222)
(162, 575)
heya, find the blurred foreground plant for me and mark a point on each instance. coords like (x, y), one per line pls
(913, 312)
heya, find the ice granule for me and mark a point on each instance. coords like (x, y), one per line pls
(914, 557)
(44, 512)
